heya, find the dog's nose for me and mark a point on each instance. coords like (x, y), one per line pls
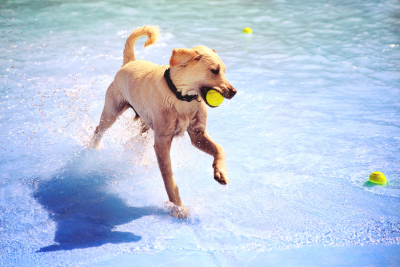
(232, 92)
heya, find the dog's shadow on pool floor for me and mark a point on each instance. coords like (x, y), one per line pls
(84, 212)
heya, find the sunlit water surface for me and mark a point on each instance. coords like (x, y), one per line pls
(317, 111)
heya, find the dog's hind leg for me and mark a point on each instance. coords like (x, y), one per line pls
(113, 108)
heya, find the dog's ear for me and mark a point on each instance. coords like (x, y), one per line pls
(182, 56)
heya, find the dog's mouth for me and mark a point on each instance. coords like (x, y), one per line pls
(217, 96)
(204, 92)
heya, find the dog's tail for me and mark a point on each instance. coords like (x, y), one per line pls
(152, 32)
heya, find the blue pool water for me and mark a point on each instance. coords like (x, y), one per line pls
(317, 111)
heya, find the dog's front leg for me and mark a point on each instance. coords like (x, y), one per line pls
(203, 141)
(162, 147)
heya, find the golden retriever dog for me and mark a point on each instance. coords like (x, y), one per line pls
(170, 100)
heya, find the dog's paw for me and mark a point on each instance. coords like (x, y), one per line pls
(220, 172)
(95, 144)
(180, 212)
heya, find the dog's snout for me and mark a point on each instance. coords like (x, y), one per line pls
(232, 92)
(229, 92)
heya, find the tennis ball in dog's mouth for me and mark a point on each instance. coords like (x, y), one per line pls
(377, 178)
(214, 98)
(247, 30)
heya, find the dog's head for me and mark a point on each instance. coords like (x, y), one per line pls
(197, 68)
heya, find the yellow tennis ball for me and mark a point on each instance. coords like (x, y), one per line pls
(377, 178)
(247, 30)
(214, 98)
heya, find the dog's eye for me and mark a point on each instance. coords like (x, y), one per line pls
(215, 71)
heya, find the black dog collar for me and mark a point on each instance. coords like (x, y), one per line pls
(178, 94)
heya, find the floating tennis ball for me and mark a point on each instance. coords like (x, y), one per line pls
(377, 178)
(214, 98)
(247, 30)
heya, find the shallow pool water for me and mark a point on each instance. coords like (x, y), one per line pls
(317, 111)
